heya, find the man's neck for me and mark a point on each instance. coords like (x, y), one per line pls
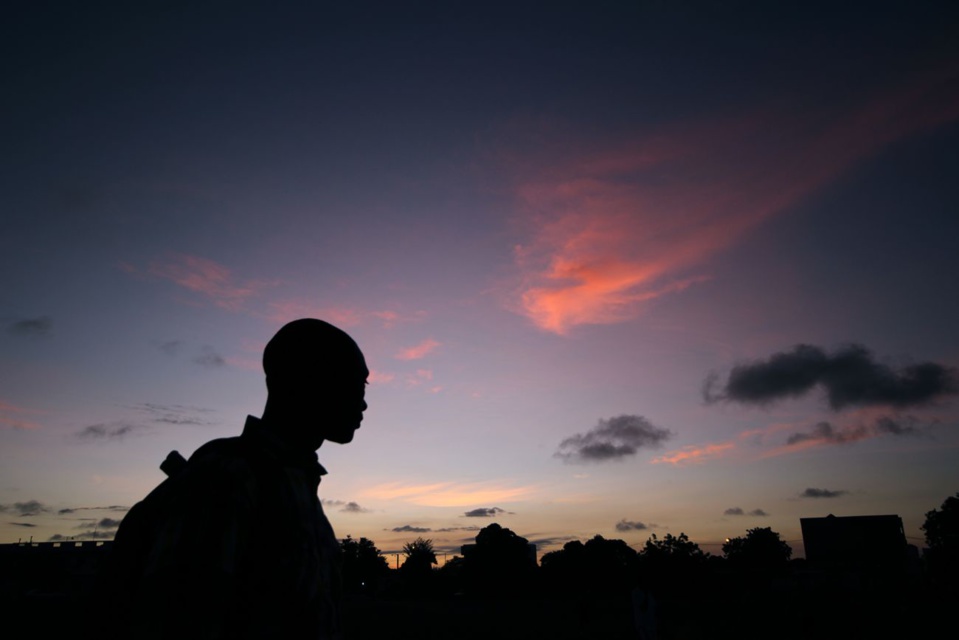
(288, 428)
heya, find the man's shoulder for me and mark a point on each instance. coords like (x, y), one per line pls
(220, 449)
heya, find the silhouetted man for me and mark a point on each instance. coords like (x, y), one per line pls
(234, 544)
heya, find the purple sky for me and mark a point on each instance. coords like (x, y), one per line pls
(580, 247)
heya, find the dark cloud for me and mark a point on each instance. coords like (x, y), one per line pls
(209, 358)
(332, 503)
(630, 525)
(149, 414)
(175, 414)
(486, 512)
(103, 523)
(737, 511)
(822, 493)
(549, 541)
(850, 377)
(85, 535)
(22, 524)
(352, 507)
(612, 439)
(114, 507)
(896, 427)
(408, 528)
(170, 347)
(451, 529)
(28, 508)
(40, 327)
(114, 431)
(826, 432)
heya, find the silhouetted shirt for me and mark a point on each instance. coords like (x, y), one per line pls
(236, 545)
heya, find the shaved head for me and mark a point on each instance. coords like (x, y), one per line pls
(309, 349)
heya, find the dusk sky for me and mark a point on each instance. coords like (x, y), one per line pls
(617, 268)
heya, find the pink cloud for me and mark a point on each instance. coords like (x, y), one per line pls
(862, 425)
(418, 351)
(16, 422)
(612, 226)
(451, 494)
(696, 454)
(380, 377)
(283, 311)
(247, 364)
(210, 279)
(420, 377)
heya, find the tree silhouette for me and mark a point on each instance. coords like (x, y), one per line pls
(420, 556)
(761, 548)
(671, 565)
(363, 565)
(500, 562)
(565, 570)
(942, 539)
(672, 548)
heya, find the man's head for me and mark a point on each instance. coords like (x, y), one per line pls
(316, 378)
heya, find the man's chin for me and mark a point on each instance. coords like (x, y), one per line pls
(342, 438)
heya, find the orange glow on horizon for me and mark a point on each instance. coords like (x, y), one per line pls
(449, 494)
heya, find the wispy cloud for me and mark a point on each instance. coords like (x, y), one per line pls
(418, 351)
(737, 511)
(283, 311)
(102, 523)
(450, 494)
(408, 528)
(28, 508)
(39, 327)
(84, 535)
(614, 225)
(210, 279)
(209, 358)
(170, 347)
(488, 512)
(696, 453)
(822, 493)
(115, 508)
(174, 414)
(108, 431)
(827, 433)
(380, 377)
(613, 439)
(14, 421)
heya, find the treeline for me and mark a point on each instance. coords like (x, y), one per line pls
(502, 563)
